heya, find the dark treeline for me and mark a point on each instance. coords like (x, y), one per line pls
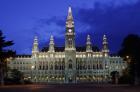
(5, 54)
(130, 51)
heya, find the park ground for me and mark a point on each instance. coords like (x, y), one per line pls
(69, 88)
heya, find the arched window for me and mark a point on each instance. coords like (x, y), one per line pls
(88, 66)
(40, 67)
(93, 66)
(70, 42)
(56, 67)
(46, 67)
(63, 65)
(101, 66)
(97, 66)
(43, 67)
(51, 67)
(70, 64)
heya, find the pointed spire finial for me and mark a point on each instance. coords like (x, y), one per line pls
(105, 48)
(35, 45)
(69, 21)
(51, 37)
(69, 17)
(69, 9)
(88, 44)
(88, 37)
(35, 40)
(104, 36)
(51, 45)
(104, 39)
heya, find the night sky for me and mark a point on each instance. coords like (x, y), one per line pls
(21, 20)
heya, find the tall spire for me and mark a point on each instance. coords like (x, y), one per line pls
(70, 33)
(69, 17)
(70, 22)
(69, 9)
(88, 44)
(35, 45)
(105, 49)
(51, 45)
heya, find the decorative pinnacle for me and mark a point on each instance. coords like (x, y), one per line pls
(51, 37)
(35, 39)
(105, 40)
(104, 37)
(69, 17)
(88, 37)
(51, 40)
(69, 11)
(35, 45)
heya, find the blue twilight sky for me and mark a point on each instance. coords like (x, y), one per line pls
(21, 20)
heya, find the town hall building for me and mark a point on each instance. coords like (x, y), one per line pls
(69, 65)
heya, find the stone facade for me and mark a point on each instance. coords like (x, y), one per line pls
(70, 65)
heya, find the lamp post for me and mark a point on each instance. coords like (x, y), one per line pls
(32, 68)
(107, 68)
(132, 61)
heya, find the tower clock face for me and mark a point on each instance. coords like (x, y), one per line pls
(70, 30)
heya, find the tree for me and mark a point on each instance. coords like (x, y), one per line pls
(114, 77)
(131, 51)
(4, 55)
(16, 76)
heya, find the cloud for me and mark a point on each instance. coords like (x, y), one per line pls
(115, 3)
(115, 22)
(106, 17)
(116, 18)
(45, 27)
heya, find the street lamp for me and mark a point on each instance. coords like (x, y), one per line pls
(131, 61)
(128, 59)
(32, 68)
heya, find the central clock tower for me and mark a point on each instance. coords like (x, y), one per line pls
(70, 50)
(70, 34)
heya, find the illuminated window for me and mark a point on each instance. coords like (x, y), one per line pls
(56, 56)
(59, 56)
(40, 56)
(84, 56)
(100, 55)
(89, 55)
(51, 55)
(97, 55)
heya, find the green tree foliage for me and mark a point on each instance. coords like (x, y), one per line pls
(4, 54)
(114, 76)
(16, 75)
(125, 79)
(131, 48)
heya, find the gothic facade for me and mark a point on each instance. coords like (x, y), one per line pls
(70, 65)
